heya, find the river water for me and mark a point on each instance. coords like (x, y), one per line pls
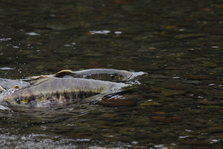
(178, 43)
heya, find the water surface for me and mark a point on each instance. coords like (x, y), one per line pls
(179, 44)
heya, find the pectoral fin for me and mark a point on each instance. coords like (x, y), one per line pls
(1, 89)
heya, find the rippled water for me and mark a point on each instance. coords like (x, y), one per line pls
(179, 44)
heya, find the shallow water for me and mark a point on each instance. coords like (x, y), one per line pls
(179, 44)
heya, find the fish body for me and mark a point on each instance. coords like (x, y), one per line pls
(66, 86)
(105, 74)
(54, 91)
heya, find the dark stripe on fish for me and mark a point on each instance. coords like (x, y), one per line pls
(55, 98)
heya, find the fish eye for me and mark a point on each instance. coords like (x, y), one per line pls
(18, 100)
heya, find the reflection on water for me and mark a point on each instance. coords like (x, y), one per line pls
(32, 34)
(100, 32)
(178, 44)
(6, 68)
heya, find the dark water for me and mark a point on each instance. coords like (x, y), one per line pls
(179, 43)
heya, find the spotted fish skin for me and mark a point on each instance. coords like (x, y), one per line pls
(54, 91)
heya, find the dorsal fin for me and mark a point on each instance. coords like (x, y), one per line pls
(39, 80)
(63, 73)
